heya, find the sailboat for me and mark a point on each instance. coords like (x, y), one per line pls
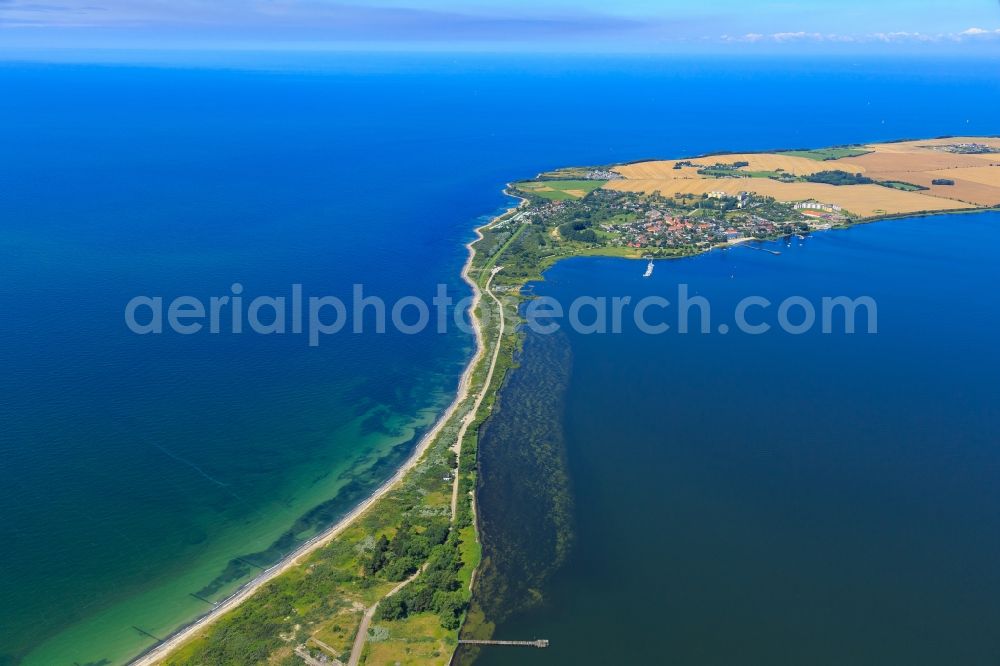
(649, 269)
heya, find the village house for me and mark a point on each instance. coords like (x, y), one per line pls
(815, 205)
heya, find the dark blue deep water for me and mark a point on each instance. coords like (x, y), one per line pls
(133, 470)
(784, 499)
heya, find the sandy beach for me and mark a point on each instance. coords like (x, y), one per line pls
(161, 651)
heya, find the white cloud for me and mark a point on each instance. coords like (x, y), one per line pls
(797, 36)
(889, 37)
(875, 37)
(979, 32)
(750, 38)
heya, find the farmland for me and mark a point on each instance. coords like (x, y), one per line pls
(874, 180)
(561, 190)
(827, 154)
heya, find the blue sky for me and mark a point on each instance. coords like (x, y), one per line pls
(571, 25)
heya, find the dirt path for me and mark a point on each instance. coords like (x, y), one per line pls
(161, 651)
(366, 621)
(471, 416)
(362, 636)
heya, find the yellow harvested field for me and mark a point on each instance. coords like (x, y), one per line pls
(919, 160)
(656, 170)
(962, 190)
(977, 179)
(985, 175)
(922, 178)
(799, 166)
(576, 193)
(965, 190)
(659, 169)
(862, 200)
(910, 146)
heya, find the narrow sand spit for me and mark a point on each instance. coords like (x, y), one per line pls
(161, 651)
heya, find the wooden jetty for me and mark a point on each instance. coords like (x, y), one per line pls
(762, 249)
(535, 644)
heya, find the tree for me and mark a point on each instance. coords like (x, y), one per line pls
(437, 532)
(419, 598)
(392, 608)
(839, 178)
(377, 561)
(401, 541)
(400, 568)
(450, 606)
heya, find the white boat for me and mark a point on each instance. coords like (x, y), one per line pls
(649, 269)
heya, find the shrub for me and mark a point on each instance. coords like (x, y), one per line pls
(839, 178)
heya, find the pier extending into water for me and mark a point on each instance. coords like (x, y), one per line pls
(762, 249)
(542, 643)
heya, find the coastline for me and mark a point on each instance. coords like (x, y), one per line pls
(478, 623)
(569, 614)
(155, 529)
(162, 650)
(645, 254)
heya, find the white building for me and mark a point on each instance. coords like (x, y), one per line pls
(815, 205)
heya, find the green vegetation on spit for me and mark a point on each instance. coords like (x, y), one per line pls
(314, 610)
(524, 491)
(409, 541)
(317, 607)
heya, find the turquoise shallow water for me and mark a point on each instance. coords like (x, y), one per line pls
(134, 470)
